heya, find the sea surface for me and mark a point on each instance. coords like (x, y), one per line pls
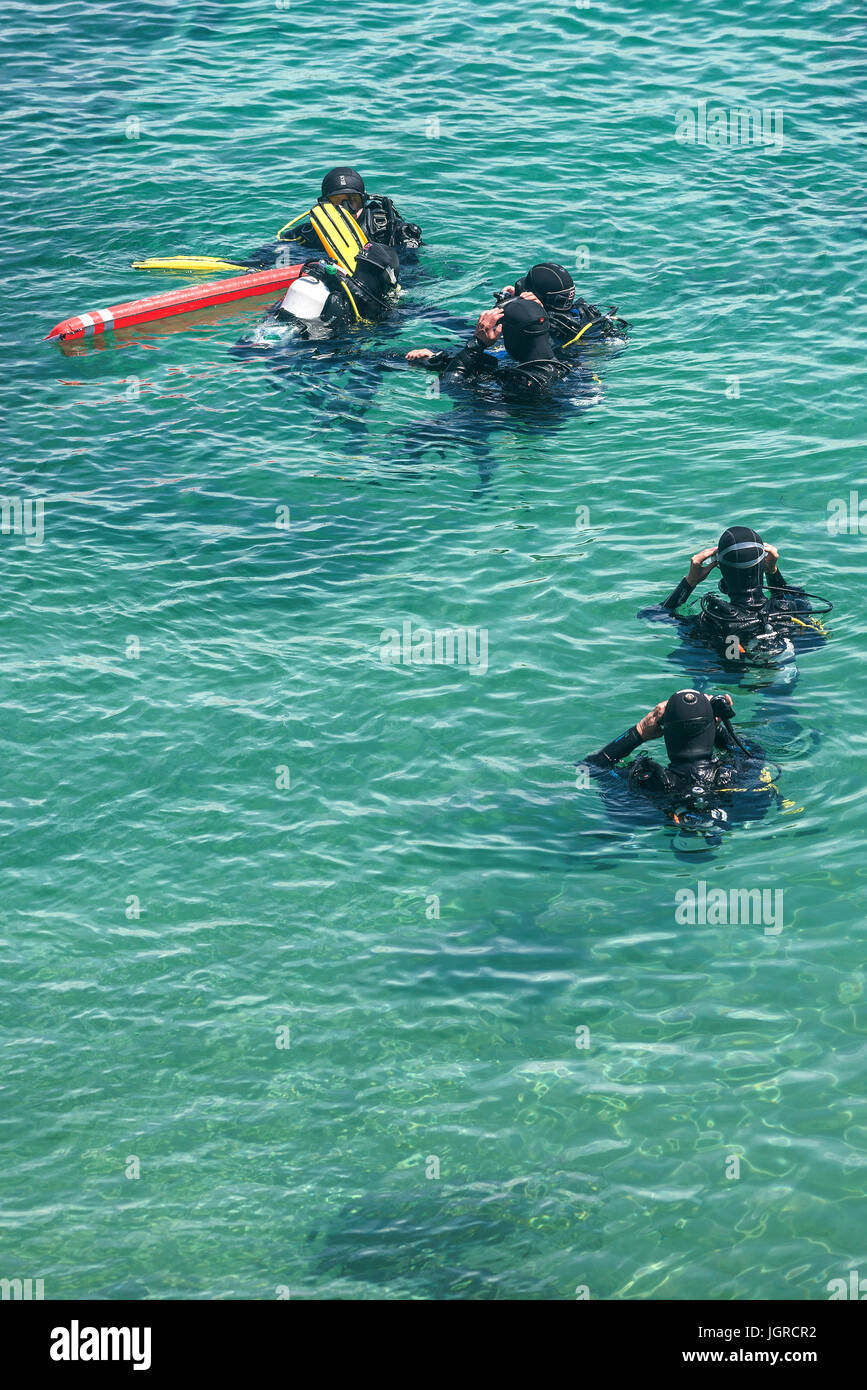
(323, 976)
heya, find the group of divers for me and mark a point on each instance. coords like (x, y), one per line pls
(525, 346)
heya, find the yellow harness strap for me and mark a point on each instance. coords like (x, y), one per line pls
(349, 295)
(299, 218)
(579, 334)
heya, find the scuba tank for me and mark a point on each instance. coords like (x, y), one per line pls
(305, 297)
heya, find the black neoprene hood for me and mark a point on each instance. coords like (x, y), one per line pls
(342, 180)
(741, 557)
(689, 727)
(525, 331)
(549, 282)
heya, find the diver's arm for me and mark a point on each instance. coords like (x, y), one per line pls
(471, 361)
(700, 566)
(615, 751)
(772, 568)
(427, 358)
(679, 595)
(303, 232)
(647, 728)
(773, 573)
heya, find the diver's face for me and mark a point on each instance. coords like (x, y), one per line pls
(350, 201)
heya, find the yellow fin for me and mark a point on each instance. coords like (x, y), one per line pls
(339, 233)
(192, 263)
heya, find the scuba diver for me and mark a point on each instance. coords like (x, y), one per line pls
(697, 792)
(572, 320)
(527, 370)
(343, 201)
(523, 388)
(327, 298)
(310, 343)
(742, 622)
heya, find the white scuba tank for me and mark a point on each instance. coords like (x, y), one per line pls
(305, 297)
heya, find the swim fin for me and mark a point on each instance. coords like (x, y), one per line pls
(194, 264)
(339, 233)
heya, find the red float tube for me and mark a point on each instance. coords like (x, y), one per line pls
(251, 285)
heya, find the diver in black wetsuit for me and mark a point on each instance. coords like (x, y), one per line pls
(696, 791)
(326, 299)
(573, 322)
(376, 215)
(529, 372)
(310, 344)
(742, 622)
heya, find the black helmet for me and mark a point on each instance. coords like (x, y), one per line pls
(376, 269)
(741, 557)
(549, 282)
(689, 727)
(342, 180)
(525, 331)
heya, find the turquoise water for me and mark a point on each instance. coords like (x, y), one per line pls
(170, 647)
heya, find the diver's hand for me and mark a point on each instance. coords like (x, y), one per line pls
(419, 354)
(526, 294)
(489, 326)
(508, 289)
(771, 558)
(701, 565)
(651, 725)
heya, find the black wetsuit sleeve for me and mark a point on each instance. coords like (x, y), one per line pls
(303, 232)
(471, 361)
(615, 751)
(776, 581)
(679, 595)
(436, 363)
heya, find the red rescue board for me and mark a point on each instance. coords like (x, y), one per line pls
(251, 285)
